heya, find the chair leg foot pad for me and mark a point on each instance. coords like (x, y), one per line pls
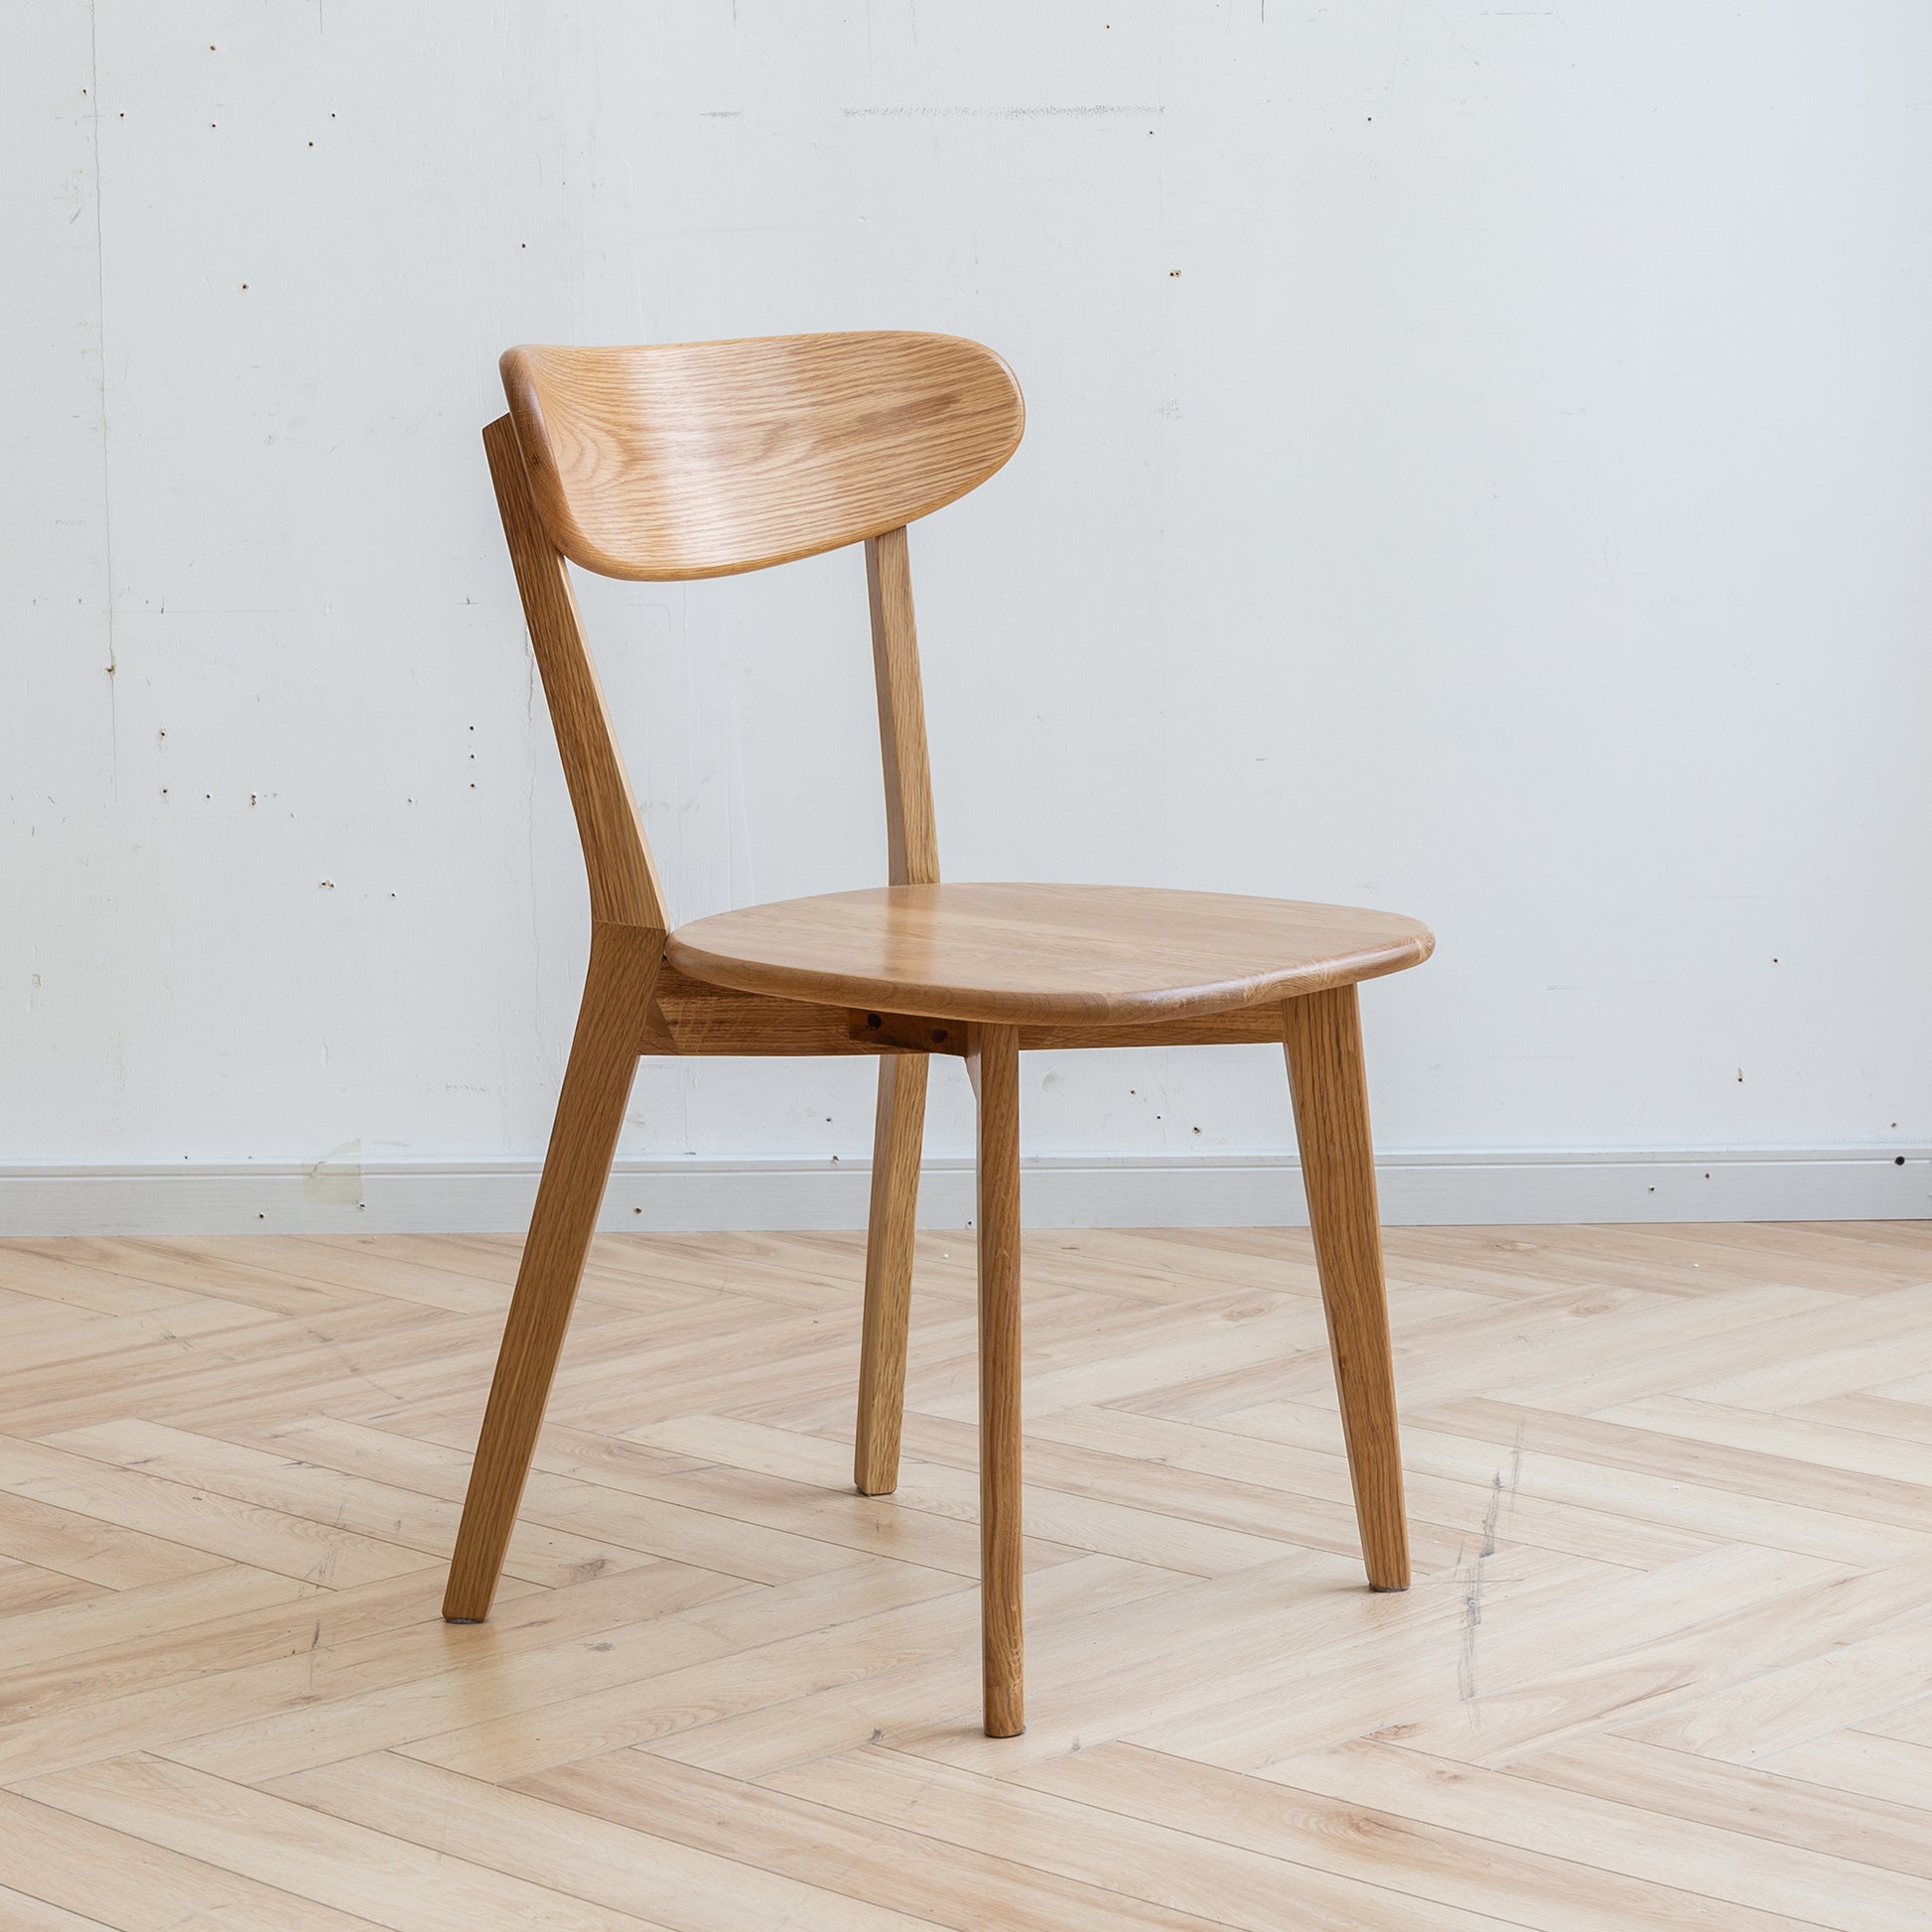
(463, 1620)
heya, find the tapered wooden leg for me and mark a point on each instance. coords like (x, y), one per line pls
(898, 1140)
(1001, 1629)
(590, 1113)
(1324, 1063)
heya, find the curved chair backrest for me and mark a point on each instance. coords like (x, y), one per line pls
(703, 459)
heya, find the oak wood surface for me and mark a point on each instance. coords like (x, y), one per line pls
(625, 889)
(1662, 1662)
(1323, 1042)
(898, 1137)
(688, 1016)
(995, 1064)
(690, 460)
(911, 835)
(576, 1170)
(1098, 954)
(692, 1017)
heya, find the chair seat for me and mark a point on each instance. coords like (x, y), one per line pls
(1100, 956)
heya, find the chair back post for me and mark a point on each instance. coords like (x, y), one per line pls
(625, 889)
(912, 837)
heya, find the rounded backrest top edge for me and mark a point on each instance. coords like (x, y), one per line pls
(683, 459)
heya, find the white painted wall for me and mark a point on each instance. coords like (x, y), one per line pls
(1478, 465)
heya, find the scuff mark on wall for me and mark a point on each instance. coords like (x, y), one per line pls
(336, 1177)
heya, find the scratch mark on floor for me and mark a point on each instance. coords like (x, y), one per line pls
(1465, 1667)
(1465, 1664)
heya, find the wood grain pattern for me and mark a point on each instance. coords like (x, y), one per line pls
(912, 834)
(1662, 1662)
(995, 1059)
(625, 889)
(1330, 1086)
(693, 460)
(1097, 955)
(898, 1137)
(576, 1170)
(692, 1017)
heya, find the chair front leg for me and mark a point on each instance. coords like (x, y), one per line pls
(899, 1138)
(996, 1059)
(577, 1166)
(1324, 1037)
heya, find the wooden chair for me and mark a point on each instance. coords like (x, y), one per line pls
(700, 460)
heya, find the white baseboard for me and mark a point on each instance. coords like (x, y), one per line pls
(1094, 1191)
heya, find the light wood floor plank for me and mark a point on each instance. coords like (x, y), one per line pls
(122, 1881)
(1685, 1853)
(117, 1344)
(25, 1588)
(302, 1547)
(1761, 1802)
(216, 1680)
(83, 1545)
(1791, 1434)
(1859, 1683)
(145, 1615)
(194, 1267)
(60, 1277)
(18, 1913)
(1752, 1467)
(385, 1511)
(372, 1873)
(1442, 1867)
(1888, 1769)
(1910, 1421)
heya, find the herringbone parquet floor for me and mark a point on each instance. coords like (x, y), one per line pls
(1668, 1659)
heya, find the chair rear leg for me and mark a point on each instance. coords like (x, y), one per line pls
(1324, 1035)
(576, 1168)
(1002, 1620)
(897, 1141)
